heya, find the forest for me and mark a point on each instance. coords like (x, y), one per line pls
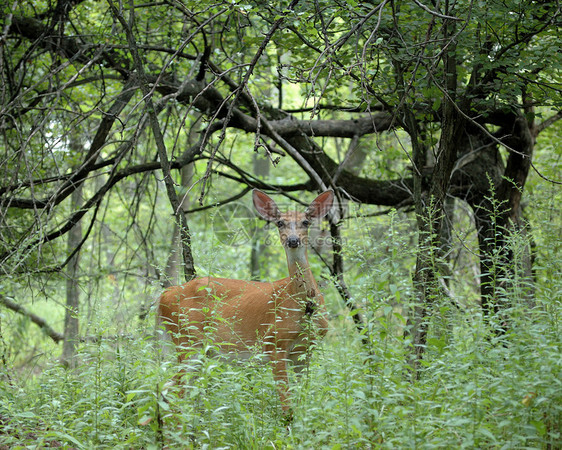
(139, 143)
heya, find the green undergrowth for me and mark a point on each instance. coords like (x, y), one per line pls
(476, 387)
(475, 390)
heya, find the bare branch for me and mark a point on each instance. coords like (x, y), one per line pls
(548, 122)
(435, 13)
(39, 321)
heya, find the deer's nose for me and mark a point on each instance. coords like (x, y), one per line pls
(293, 242)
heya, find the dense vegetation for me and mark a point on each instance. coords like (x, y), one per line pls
(130, 137)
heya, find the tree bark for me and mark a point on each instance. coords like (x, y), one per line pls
(74, 239)
(257, 255)
(497, 217)
(171, 271)
(430, 210)
(495, 198)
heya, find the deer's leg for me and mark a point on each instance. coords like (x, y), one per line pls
(279, 367)
(189, 364)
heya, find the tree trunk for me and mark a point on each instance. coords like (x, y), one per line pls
(430, 210)
(498, 216)
(171, 272)
(257, 256)
(71, 321)
(495, 198)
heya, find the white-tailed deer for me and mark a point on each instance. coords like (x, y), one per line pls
(279, 318)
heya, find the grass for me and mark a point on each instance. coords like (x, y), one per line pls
(476, 389)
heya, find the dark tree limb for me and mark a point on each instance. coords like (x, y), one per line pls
(37, 320)
(337, 272)
(185, 235)
(67, 47)
(71, 183)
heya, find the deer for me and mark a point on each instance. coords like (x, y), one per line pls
(282, 319)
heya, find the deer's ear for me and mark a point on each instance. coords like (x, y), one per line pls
(265, 206)
(320, 205)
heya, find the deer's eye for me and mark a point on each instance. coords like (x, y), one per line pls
(280, 224)
(305, 223)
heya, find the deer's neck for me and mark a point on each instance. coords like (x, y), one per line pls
(302, 284)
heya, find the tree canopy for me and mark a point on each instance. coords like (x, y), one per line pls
(442, 100)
